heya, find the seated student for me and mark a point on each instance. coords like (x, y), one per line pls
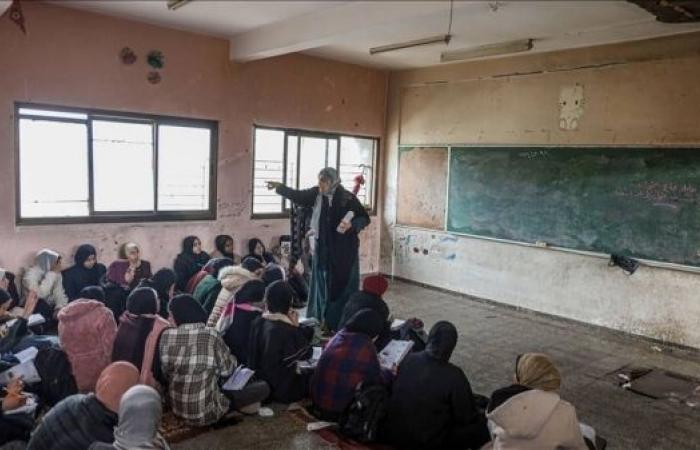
(431, 404)
(349, 359)
(238, 315)
(207, 291)
(190, 261)
(86, 272)
(44, 278)
(273, 272)
(13, 428)
(530, 414)
(224, 248)
(231, 279)
(139, 332)
(129, 272)
(194, 359)
(257, 250)
(373, 288)
(140, 412)
(7, 282)
(163, 282)
(86, 329)
(277, 343)
(81, 419)
(254, 266)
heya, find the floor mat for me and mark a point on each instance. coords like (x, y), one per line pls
(659, 384)
(175, 430)
(331, 435)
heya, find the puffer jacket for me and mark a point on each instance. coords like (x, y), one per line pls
(86, 329)
(47, 285)
(231, 278)
(535, 420)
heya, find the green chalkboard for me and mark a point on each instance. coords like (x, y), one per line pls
(640, 202)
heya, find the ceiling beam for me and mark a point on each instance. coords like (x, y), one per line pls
(329, 25)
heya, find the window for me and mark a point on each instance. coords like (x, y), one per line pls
(97, 166)
(295, 157)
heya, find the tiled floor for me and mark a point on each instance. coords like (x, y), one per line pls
(490, 339)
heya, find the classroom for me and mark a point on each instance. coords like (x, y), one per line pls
(349, 224)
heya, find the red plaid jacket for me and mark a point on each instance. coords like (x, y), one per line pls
(347, 360)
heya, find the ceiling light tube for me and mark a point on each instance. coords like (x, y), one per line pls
(175, 4)
(443, 38)
(501, 48)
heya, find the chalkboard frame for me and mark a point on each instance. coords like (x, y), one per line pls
(568, 147)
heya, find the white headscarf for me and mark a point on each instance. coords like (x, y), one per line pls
(140, 411)
(331, 175)
(46, 259)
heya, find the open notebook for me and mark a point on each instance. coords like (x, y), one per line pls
(395, 351)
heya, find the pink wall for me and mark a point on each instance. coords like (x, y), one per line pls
(70, 58)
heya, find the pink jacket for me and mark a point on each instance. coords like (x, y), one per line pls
(86, 329)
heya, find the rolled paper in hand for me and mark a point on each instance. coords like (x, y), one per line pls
(348, 217)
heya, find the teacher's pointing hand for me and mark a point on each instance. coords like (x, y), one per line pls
(272, 185)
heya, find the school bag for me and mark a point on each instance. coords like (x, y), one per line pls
(360, 421)
(57, 381)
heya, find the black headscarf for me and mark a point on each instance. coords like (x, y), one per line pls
(77, 277)
(266, 256)
(442, 341)
(278, 297)
(272, 273)
(252, 291)
(215, 265)
(367, 322)
(251, 264)
(162, 281)
(220, 244)
(188, 263)
(93, 293)
(143, 300)
(185, 309)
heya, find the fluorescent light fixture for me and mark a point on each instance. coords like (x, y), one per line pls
(175, 4)
(501, 48)
(443, 38)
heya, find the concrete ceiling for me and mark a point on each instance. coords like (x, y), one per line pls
(345, 30)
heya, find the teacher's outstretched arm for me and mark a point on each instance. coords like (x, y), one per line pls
(305, 197)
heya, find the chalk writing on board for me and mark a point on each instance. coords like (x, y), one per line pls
(534, 154)
(658, 192)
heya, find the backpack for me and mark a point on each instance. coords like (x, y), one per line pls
(360, 420)
(57, 381)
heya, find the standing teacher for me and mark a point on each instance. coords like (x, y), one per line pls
(337, 219)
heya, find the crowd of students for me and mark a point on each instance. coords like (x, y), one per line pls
(138, 340)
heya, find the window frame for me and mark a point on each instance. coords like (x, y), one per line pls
(93, 216)
(299, 133)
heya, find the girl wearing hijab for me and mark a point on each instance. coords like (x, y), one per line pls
(129, 272)
(431, 403)
(163, 282)
(138, 333)
(193, 360)
(373, 289)
(335, 243)
(224, 247)
(86, 272)
(530, 414)
(349, 359)
(237, 317)
(81, 419)
(44, 278)
(86, 329)
(190, 261)
(140, 411)
(277, 343)
(231, 279)
(257, 250)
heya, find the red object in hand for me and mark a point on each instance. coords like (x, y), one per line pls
(17, 16)
(359, 181)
